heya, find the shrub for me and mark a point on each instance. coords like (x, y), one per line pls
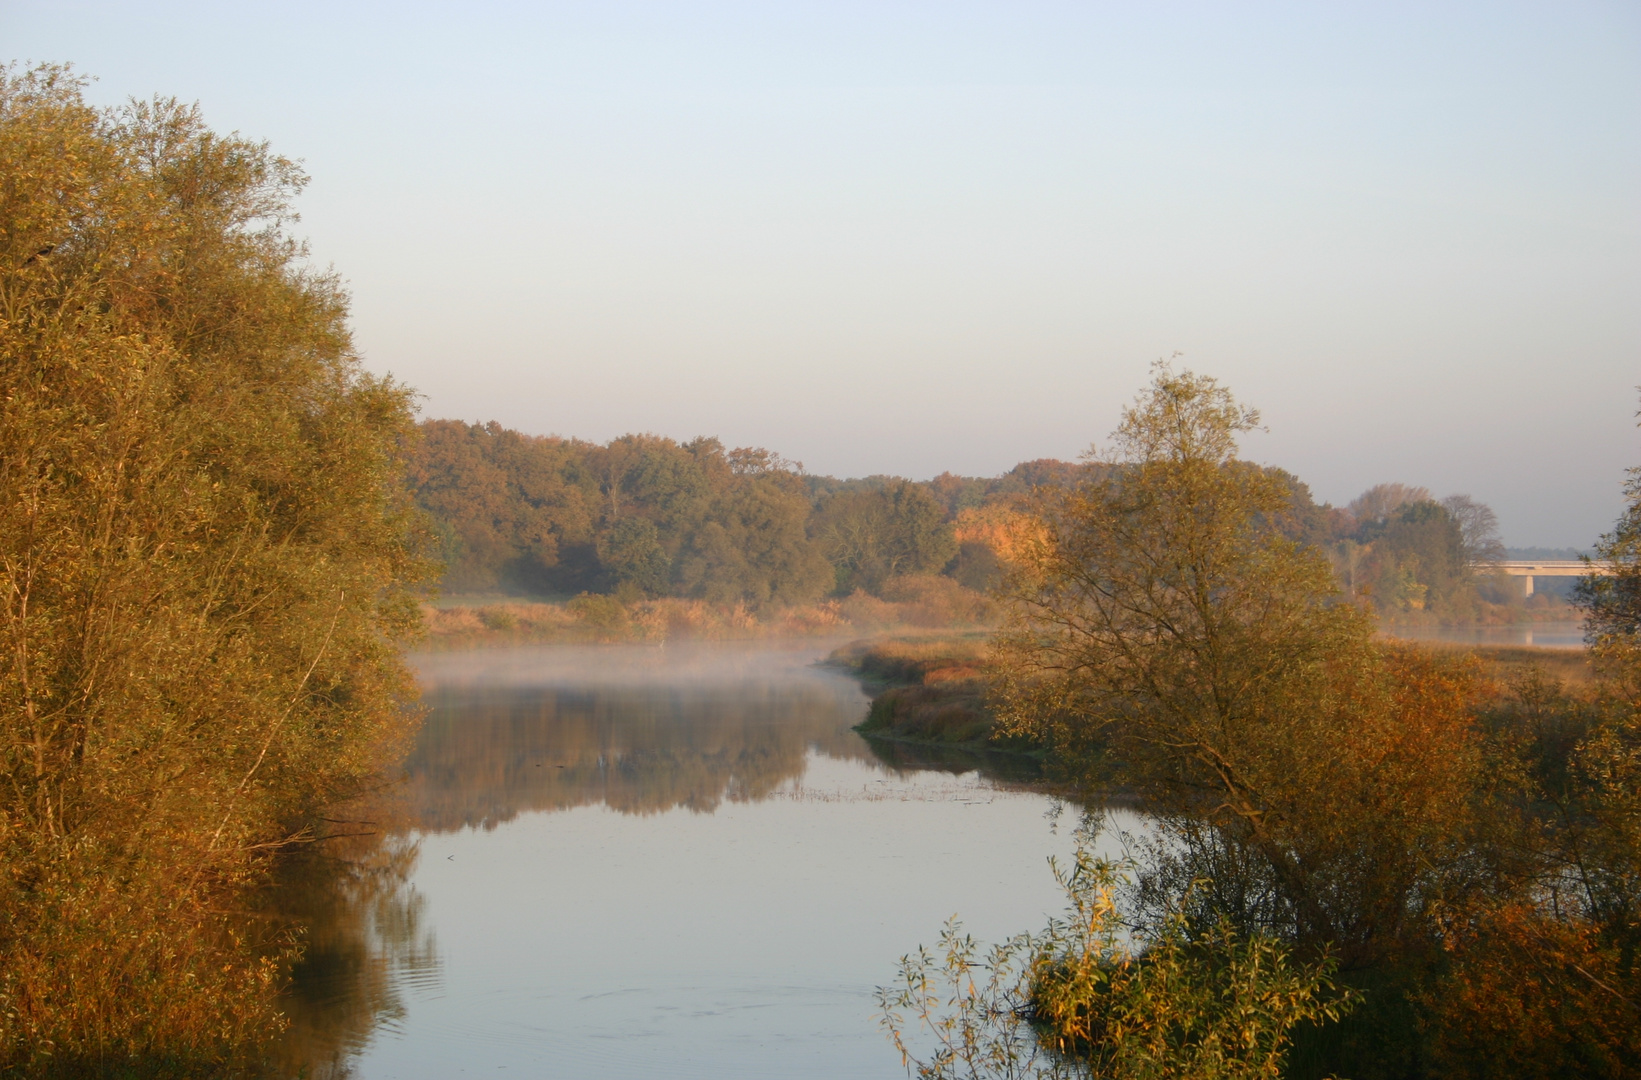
(1082, 999)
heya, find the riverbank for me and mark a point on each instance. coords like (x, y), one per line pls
(915, 604)
(1504, 662)
(928, 690)
(933, 690)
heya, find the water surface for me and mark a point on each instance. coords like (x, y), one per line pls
(634, 861)
(1562, 635)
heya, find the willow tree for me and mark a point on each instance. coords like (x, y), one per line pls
(205, 556)
(1169, 635)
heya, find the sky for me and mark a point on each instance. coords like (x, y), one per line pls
(909, 238)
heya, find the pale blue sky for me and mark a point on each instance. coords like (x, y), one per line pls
(914, 237)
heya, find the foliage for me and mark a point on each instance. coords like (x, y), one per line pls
(604, 616)
(1478, 528)
(1411, 558)
(642, 516)
(930, 690)
(934, 600)
(1468, 846)
(1606, 766)
(1531, 995)
(1612, 604)
(755, 545)
(1542, 980)
(1085, 999)
(1161, 597)
(1376, 505)
(513, 509)
(874, 535)
(1537, 974)
(913, 660)
(646, 517)
(1168, 636)
(205, 556)
(631, 551)
(1420, 561)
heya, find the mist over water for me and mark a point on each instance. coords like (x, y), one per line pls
(679, 861)
(638, 729)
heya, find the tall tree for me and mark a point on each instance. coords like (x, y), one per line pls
(206, 551)
(1420, 558)
(1165, 626)
(509, 507)
(1378, 502)
(1478, 528)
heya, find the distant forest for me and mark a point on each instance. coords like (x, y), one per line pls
(645, 516)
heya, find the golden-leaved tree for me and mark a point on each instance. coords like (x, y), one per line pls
(205, 555)
(1169, 634)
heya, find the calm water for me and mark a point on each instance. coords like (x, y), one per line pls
(636, 862)
(1569, 635)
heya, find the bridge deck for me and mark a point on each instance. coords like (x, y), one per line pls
(1546, 567)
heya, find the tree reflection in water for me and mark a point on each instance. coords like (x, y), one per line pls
(1001, 766)
(508, 732)
(362, 928)
(487, 755)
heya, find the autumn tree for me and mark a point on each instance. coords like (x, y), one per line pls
(206, 553)
(511, 510)
(1478, 528)
(1379, 502)
(1607, 765)
(642, 515)
(1088, 999)
(1418, 560)
(1168, 634)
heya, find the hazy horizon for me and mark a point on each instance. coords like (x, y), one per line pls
(909, 239)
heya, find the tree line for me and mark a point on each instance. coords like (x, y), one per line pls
(645, 516)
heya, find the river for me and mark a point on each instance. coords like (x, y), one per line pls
(1557, 635)
(631, 861)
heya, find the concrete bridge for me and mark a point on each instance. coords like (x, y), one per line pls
(1528, 569)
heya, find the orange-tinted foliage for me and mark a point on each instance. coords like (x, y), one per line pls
(1530, 996)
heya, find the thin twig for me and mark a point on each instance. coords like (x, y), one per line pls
(274, 729)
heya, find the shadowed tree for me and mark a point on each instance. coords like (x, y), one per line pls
(870, 536)
(754, 546)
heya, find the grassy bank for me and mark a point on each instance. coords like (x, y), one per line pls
(932, 688)
(1504, 662)
(926, 689)
(919, 604)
